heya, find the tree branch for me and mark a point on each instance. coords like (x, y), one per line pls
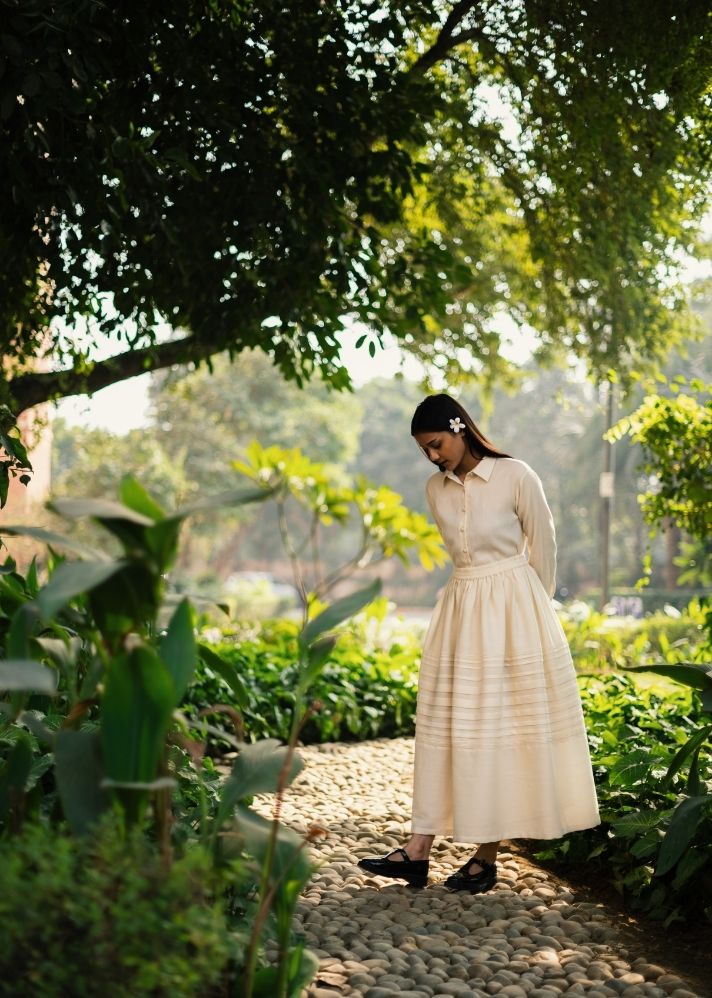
(447, 39)
(28, 390)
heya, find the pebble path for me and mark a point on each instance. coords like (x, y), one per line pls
(375, 938)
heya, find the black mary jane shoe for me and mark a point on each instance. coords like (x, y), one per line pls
(415, 871)
(475, 883)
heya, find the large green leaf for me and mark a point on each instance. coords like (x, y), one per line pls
(681, 831)
(290, 860)
(23, 626)
(636, 822)
(136, 711)
(690, 674)
(691, 745)
(79, 771)
(57, 540)
(256, 770)
(72, 578)
(226, 671)
(178, 649)
(27, 674)
(629, 769)
(339, 611)
(15, 772)
(133, 495)
(101, 509)
(231, 497)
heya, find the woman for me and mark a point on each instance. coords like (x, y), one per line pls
(500, 747)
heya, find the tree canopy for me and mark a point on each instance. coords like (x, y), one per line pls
(264, 174)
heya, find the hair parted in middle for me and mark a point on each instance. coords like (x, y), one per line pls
(434, 415)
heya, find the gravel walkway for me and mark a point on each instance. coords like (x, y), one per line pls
(378, 938)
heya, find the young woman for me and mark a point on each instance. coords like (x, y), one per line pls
(500, 747)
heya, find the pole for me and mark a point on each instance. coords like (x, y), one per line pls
(605, 491)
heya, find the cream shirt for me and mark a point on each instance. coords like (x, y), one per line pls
(497, 512)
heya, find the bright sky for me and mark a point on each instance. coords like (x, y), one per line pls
(124, 406)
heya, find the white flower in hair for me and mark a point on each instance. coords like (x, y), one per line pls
(456, 425)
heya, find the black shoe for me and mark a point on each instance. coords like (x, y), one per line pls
(475, 883)
(415, 871)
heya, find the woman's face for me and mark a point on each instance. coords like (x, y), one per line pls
(443, 448)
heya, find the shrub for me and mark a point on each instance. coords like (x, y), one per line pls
(102, 915)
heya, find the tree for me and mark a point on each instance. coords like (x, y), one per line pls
(259, 175)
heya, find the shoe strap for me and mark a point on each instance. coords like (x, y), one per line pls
(484, 863)
(404, 854)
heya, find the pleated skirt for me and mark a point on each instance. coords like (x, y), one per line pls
(501, 750)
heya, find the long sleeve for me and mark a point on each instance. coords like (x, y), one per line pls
(538, 526)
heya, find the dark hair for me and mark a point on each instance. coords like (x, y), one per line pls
(434, 413)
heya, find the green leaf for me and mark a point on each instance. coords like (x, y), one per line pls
(72, 578)
(339, 611)
(136, 710)
(226, 671)
(15, 772)
(133, 495)
(79, 773)
(697, 676)
(57, 540)
(636, 822)
(291, 861)
(256, 771)
(683, 825)
(178, 649)
(26, 674)
(687, 749)
(22, 627)
(101, 509)
(231, 497)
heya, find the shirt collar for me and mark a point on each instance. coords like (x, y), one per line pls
(482, 470)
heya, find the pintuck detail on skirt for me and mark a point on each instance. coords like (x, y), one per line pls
(501, 750)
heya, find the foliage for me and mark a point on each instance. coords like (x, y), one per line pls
(366, 689)
(195, 165)
(601, 645)
(652, 765)
(111, 722)
(676, 436)
(103, 915)
(15, 462)
(388, 528)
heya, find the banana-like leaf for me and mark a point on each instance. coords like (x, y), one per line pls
(339, 611)
(79, 772)
(178, 649)
(27, 675)
(72, 578)
(136, 711)
(681, 831)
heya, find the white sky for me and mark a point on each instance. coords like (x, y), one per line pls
(124, 406)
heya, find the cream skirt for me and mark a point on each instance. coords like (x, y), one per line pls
(500, 746)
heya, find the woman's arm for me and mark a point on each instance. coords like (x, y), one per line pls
(538, 526)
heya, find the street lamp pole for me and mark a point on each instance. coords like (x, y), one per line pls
(606, 492)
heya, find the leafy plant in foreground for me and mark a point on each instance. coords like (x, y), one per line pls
(89, 642)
